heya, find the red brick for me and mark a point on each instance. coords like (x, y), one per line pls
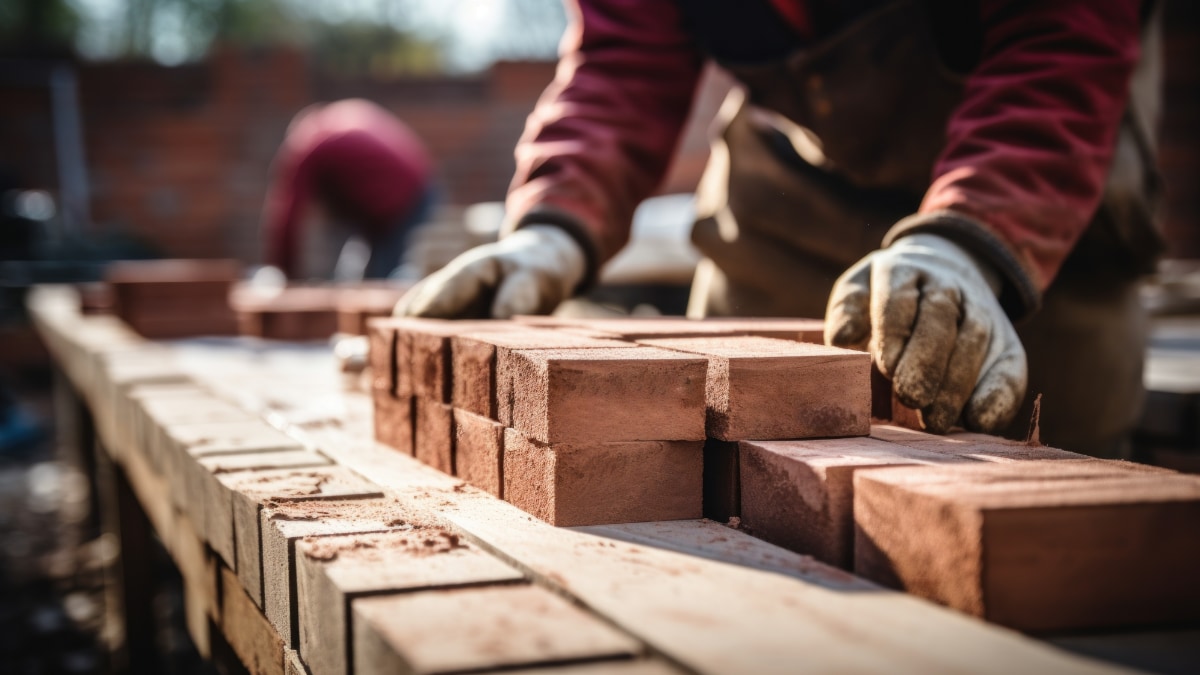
(798, 494)
(296, 313)
(332, 571)
(474, 368)
(430, 352)
(381, 354)
(639, 328)
(469, 630)
(288, 324)
(357, 306)
(1040, 546)
(478, 451)
(475, 357)
(606, 395)
(174, 298)
(569, 484)
(393, 419)
(764, 388)
(172, 271)
(433, 441)
(811, 331)
(400, 353)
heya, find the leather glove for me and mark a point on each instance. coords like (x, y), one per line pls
(927, 311)
(530, 271)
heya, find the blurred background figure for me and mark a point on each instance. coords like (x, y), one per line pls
(347, 172)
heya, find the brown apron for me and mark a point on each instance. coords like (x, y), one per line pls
(823, 152)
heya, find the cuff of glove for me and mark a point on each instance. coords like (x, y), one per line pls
(1020, 295)
(572, 226)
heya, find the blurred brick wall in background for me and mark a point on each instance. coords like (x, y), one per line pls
(179, 155)
(1179, 131)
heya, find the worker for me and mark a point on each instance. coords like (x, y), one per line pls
(352, 168)
(931, 175)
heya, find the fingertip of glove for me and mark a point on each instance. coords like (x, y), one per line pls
(992, 411)
(846, 331)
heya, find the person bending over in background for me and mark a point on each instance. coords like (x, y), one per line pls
(354, 168)
(936, 177)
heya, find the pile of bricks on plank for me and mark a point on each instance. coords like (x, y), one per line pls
(352, 579)
(176, 298)
(584, 422)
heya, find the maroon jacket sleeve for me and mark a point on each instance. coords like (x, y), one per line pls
(1028, 150)
(283, 213)
(603, 134)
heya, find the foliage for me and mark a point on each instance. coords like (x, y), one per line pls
(37, 25)
(348, 37)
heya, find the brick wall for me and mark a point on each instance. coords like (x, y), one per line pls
(179, 156)
(1179, 132)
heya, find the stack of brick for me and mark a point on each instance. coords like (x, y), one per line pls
(296, 313)
(163, 299)
(608, 420)
(1029, 536)
(588, 422)
(358, 303)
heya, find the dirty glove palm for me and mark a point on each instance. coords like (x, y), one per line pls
(927, 311)
(529, 272)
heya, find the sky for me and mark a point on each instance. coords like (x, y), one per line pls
(475, 32)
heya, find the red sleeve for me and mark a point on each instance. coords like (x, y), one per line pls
(283, 215)
(1028, 150)
(604, 132)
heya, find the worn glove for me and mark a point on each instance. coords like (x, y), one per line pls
(927, 311)
(529, 272)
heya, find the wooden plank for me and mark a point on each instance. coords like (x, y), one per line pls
(204, 487)
(248, 492)
(721, 543)
(164, 414)
(183, 444)
(333, 570)
(292, 665)
(133, 430)
(286, 522)
(474, 629)
(754, 620)
(981, 447)
(116, 377)
(247, 630)
(199, 572)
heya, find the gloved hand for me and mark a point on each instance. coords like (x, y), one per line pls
(530, 272)
(927, 311)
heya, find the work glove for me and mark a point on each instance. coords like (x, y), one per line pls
(928, 313)
(528, 272)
